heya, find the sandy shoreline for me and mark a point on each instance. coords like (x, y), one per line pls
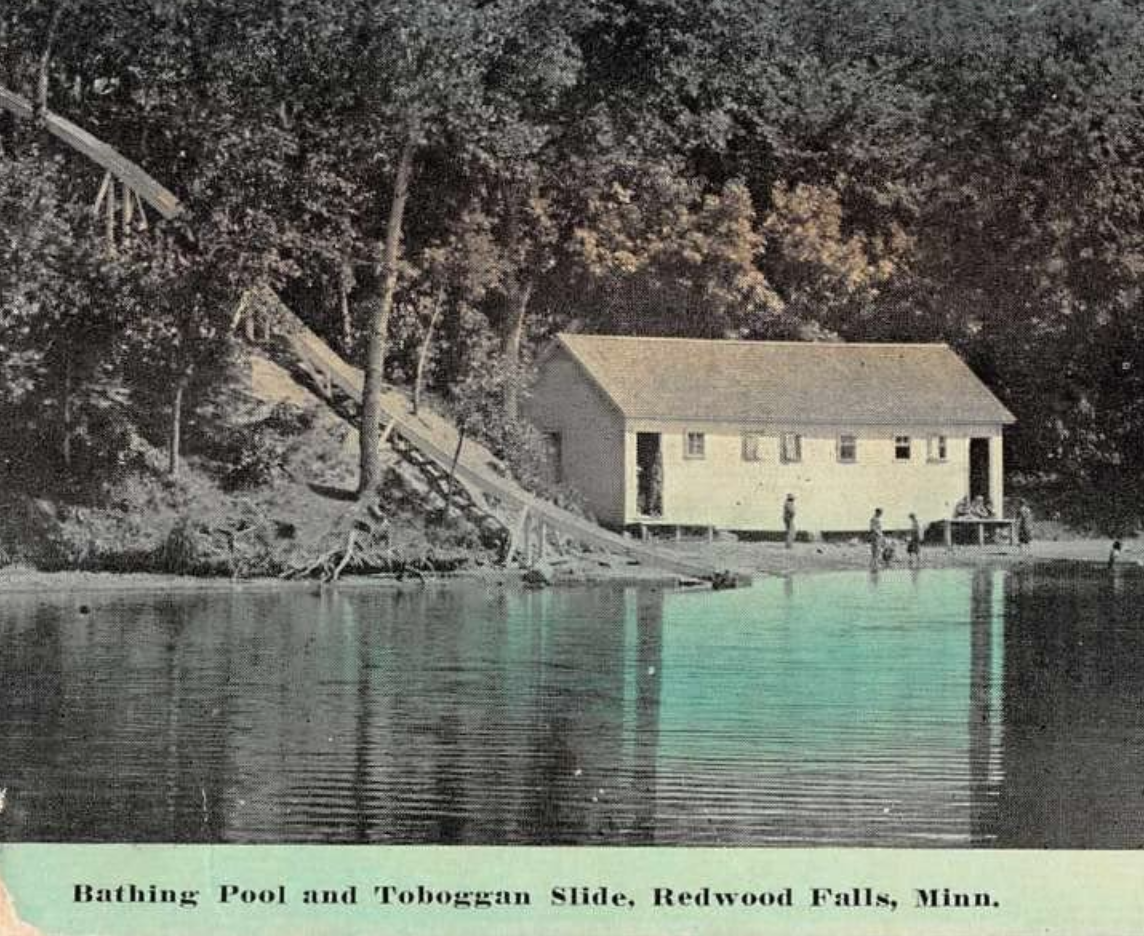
(755, 559)
(773, 558)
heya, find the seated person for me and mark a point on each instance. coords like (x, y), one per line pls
(979, 508)
(888, 551)
(961, 508)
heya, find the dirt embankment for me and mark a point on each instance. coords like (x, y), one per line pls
(266, 488)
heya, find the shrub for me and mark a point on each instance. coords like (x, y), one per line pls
(179, 554)
(289, 420)
(104, 447)
(256, 458)
(255, 454)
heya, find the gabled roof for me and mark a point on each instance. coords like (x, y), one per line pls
(785, 381)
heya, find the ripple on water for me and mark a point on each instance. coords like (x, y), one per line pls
(950, 708)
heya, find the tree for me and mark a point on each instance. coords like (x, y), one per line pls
(470, 83)
(179, 335)
(457, 274)
(956, 172)
(663, 258)
(60, 307)
(426, 61)
(828, 277)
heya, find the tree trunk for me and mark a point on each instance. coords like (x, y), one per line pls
(426, 346)
(66, 410)
(451, 359)
(174, 443)
(40, 105)
(513, 338)
(453, 471)
(345, 284)
(370, 429)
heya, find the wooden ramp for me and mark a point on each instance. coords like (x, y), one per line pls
(123, 169)
(477, 469)
(434, 437)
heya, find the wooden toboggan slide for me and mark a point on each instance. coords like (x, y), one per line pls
(426, 436)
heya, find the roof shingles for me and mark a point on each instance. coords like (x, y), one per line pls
(786, 382)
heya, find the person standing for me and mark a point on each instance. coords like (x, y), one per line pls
(1114, 554)
(788, 520)
(877, 537)
(914, 546)
(1024, 526)
(655, 490)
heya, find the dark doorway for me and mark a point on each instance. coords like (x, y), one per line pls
(649, 475)
(554, 443)
(979, 468)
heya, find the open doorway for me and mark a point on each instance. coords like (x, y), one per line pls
(979, 469)
(649, 475)
(554, 452)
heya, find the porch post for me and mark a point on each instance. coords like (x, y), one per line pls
(997, 473)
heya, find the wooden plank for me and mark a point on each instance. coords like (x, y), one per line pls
(128, 210)
(109, 220)
(103, 186)
(142, 211)
(157, 196)
(17, 104)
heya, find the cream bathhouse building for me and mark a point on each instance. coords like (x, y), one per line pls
(689, 432)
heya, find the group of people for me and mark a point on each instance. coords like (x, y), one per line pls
(978, 507)
(882, 549)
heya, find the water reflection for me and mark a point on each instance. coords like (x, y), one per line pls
(982, 709)
(933, 707)
(1073, 709)
(841, 717)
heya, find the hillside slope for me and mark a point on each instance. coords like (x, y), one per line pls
(266, 488)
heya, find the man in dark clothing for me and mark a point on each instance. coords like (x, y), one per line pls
(1024, 526)
(788, 520)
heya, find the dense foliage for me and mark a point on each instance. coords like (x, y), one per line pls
(439, 185)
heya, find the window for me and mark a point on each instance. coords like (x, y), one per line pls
(937, 449)
(751, 447)
(847, 448)
(902, 448)
(790, 448)
(695, 445)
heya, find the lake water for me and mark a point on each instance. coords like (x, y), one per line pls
(944, 708)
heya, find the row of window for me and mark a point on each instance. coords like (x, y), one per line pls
(790, 447)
